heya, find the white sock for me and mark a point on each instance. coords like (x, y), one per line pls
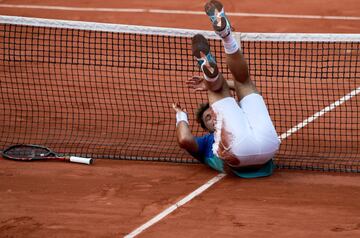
(211, 79)
(230, 44)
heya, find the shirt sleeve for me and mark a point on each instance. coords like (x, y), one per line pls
(202, 147)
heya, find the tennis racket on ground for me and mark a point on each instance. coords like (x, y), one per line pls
(25, 152)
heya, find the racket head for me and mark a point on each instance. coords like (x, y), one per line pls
(27, 152)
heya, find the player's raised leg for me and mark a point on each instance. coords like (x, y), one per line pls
(214, 80)
(234, 57)
(201, 51)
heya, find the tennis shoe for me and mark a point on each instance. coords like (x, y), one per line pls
(201, 52)
(215, 10)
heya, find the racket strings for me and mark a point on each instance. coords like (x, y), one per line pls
(27, 152)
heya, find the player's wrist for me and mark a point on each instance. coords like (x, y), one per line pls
(181, 116)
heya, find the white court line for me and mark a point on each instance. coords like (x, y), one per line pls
(201, 189)
(175, 206)
(320, 113)
(159, 11)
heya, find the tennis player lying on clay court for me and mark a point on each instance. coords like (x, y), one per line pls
(242, 139)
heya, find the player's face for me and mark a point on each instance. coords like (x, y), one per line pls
(209, 119)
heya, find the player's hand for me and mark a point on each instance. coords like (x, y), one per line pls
(178, 108)
(197, 83)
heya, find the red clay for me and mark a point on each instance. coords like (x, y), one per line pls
(244, 24)
(111, 198)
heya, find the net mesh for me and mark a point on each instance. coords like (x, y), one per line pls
(105, 91)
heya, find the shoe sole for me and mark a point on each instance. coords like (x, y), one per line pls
(210, 8)
(200, 44)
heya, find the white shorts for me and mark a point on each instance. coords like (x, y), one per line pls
(244, 133)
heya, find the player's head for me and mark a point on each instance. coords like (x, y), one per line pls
(205, 116)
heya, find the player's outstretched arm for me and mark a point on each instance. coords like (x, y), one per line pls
(184, 136)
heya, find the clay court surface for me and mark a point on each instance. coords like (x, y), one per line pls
(112, 198)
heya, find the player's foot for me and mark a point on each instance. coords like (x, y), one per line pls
(215, 10)
(201, 51)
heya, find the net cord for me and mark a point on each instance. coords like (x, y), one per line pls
(282, 37)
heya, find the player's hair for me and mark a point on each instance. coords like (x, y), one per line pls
(199, 113)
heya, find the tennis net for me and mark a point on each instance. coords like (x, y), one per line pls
(105, 90)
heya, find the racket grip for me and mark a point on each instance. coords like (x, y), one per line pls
(81, 160)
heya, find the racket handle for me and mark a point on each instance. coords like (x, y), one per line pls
(81, 160)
